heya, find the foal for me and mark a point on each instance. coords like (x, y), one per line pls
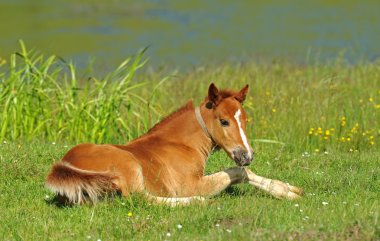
(167, 163)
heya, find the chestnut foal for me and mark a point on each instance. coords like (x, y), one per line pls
(167, 163)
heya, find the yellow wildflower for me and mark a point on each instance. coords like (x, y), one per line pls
(311, 131)
(348, 139)
(273, 110)
(354, 129)
(372, 143)
(343, 121)
(371, 137)
(2, 61)
(370, 99)
(316, 150)
(343, 139)
(320, 130)
(129, 214)
(327, 133)
(377, 106)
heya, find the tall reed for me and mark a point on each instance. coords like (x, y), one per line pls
(312, 107)
(42, 98)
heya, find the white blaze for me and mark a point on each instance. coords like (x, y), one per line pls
(242, 134)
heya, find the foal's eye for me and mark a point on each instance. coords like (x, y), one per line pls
(224, 122)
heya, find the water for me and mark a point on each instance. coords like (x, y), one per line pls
(191, 33)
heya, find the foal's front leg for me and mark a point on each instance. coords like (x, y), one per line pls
(213, 184)
(276, 188)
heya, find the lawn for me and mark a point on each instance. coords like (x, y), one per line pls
(341, 202)
(316, 126)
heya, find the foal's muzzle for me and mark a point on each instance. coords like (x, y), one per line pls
(242, 157)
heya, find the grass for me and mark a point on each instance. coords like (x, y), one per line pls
(315, 126)
(348, 182)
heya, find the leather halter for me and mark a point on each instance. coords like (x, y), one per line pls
(201, 122)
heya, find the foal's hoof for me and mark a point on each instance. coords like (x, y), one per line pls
(285, 190)
(293, 192)
(295, 189)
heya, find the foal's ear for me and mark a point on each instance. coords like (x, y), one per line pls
(242, 94)
(213, 96)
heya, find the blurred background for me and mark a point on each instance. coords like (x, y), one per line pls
(184, 34)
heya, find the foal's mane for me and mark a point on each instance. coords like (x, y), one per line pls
(180, 111)
(188, 106)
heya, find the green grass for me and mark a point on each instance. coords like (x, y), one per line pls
(348, 182)
(316, 126)
(45, 98)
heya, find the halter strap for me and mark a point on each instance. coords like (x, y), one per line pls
(201, 121)
(204, 128)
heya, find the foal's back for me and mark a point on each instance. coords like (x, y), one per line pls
(160, 162)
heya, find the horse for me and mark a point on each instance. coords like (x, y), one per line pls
(167, 163)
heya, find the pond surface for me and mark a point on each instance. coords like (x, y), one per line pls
(190, 33)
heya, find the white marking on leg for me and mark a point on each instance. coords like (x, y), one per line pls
(242, 134)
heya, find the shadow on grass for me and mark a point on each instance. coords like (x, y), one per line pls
(63, 202)
(241, 191)
(233, 191)
(59, 201)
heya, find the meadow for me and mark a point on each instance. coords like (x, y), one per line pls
(314, 125)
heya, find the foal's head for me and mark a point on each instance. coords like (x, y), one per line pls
(228, 123)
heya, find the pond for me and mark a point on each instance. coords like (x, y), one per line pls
(191, 33)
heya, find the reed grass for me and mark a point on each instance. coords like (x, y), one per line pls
(42, 98)
(313, 107)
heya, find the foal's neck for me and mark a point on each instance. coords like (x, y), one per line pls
(182, 127)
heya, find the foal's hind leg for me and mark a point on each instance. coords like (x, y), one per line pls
(276, 188)
(174, 201)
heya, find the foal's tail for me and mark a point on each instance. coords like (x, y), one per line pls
(77, 185)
